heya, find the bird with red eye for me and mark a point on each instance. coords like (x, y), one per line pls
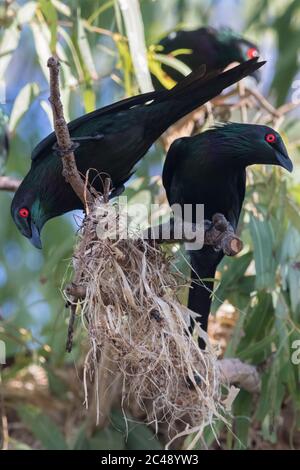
(252, 52)
(270, 138)
(24, 212)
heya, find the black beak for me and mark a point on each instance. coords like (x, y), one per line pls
(283, 158)
(35, 237)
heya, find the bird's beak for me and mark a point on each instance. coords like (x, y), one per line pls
(35, 237)
(283, 158)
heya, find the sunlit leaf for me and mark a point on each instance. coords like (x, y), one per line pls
(85, 50)
(50, 14)
(22, 103)
(62, 7)
(263, 240)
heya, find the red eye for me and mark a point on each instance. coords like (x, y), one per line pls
(24, 212)
(270, 138)
(252, 52)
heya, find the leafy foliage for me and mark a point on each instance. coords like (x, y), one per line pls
(263, 283)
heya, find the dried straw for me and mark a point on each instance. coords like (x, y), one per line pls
(138, 332)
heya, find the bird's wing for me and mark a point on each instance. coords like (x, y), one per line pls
(171, 165)
(115, 107)
(128, 103)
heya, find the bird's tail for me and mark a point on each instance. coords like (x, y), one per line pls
(204, 264)
(198, 88)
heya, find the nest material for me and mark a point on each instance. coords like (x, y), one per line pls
(138, 332)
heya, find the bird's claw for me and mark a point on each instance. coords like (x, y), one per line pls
(62, 152)
(220, 223)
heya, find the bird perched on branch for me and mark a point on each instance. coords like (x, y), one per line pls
(214, 48)
(110, 140)
(210, 169)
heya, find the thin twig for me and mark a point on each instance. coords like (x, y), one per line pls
(262, 101)
(65, 146)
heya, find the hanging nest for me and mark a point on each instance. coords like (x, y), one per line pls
(138, 331)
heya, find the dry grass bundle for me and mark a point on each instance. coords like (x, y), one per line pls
(138, 332)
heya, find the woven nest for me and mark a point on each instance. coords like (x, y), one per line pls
(137, 327)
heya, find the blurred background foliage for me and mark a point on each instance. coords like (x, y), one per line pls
(41, 393)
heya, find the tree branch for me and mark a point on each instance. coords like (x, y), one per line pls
(218, 233)
(241, 374)
(65, 146)
(9, 184)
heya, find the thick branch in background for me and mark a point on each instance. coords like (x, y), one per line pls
(9, 184)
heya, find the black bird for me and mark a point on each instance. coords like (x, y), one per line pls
(111, 141)
(214, 48)
(210, 169)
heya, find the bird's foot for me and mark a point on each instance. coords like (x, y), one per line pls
(220, 223)
(62, 152)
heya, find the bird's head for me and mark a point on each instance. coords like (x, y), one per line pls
(28, 213)
(40, 197)
(237, 49)
(250, 144)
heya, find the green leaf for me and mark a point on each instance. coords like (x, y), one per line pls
(107, 439)
(262, 346)
(22, 103)
(89, 99)
(140, 437)
(259, 320)
(85, 52)
(26, 12)
(81, 441)
(231, 276)
(293, 214)
(265, 263)
(50, 14)
(101, 9)
(242, 411)
(156, 61)
(62, 7)
(8, 44)
(43, 428)
(174, 63)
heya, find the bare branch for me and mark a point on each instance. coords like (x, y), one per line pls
(218, 233)
(65, 146)
(9, 184)
(243, 375)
